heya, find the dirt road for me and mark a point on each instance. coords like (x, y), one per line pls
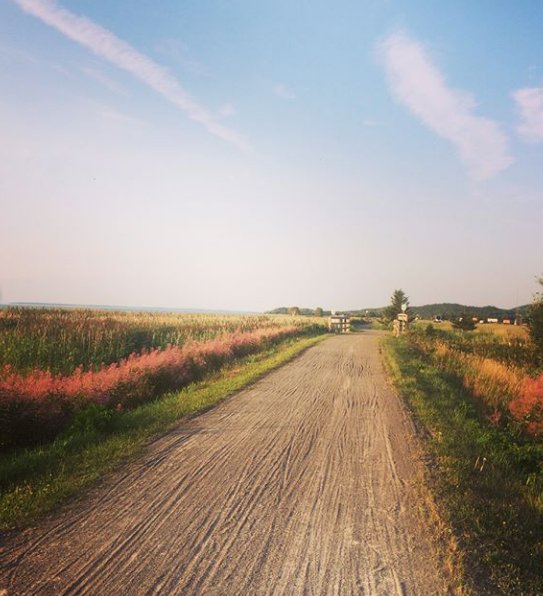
(301, 484)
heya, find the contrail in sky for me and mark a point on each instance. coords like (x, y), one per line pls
(108, 46)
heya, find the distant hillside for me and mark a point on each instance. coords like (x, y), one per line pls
(451, 310)
(447, 310)
(283, 310)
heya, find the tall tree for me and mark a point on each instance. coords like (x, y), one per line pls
(397, 299)
(535, 319)
(318, 312)
(294, 310)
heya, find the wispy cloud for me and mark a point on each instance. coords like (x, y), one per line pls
(418, 84)
(227, 110)
(180, 53)
(282, 91)
(110, 113)
(108, 46)
(11, 53)
(530, 107)
(102, 78)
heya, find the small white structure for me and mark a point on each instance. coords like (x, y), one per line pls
(399, 326)
(339, 323)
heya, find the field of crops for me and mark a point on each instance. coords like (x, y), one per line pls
(56, 364)
(60, 340)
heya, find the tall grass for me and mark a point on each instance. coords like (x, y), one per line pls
(500, 373)
(37, 406)
(507, 343)
(487, 477)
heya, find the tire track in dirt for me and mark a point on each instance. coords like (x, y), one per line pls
(300, 484)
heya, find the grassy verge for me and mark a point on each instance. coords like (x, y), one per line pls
(33, 481)
(487, 482)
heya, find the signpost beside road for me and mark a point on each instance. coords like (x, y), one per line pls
(399, 326)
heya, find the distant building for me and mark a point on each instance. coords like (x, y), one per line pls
(491, 320)
(339, 324)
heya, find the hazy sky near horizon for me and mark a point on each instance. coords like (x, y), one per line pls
(234, 154)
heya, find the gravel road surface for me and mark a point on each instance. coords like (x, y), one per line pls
(303, 483)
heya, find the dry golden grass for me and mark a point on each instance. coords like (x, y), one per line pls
(509, 331)
(492, 381)
(499, 329)
(495, 366)
(423, 323)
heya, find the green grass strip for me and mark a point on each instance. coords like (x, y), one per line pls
(487, 481)
(34, 481)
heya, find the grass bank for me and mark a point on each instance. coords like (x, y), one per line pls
(34, 481)
(487, 480)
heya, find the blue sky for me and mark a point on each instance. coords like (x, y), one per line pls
(245, 155)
